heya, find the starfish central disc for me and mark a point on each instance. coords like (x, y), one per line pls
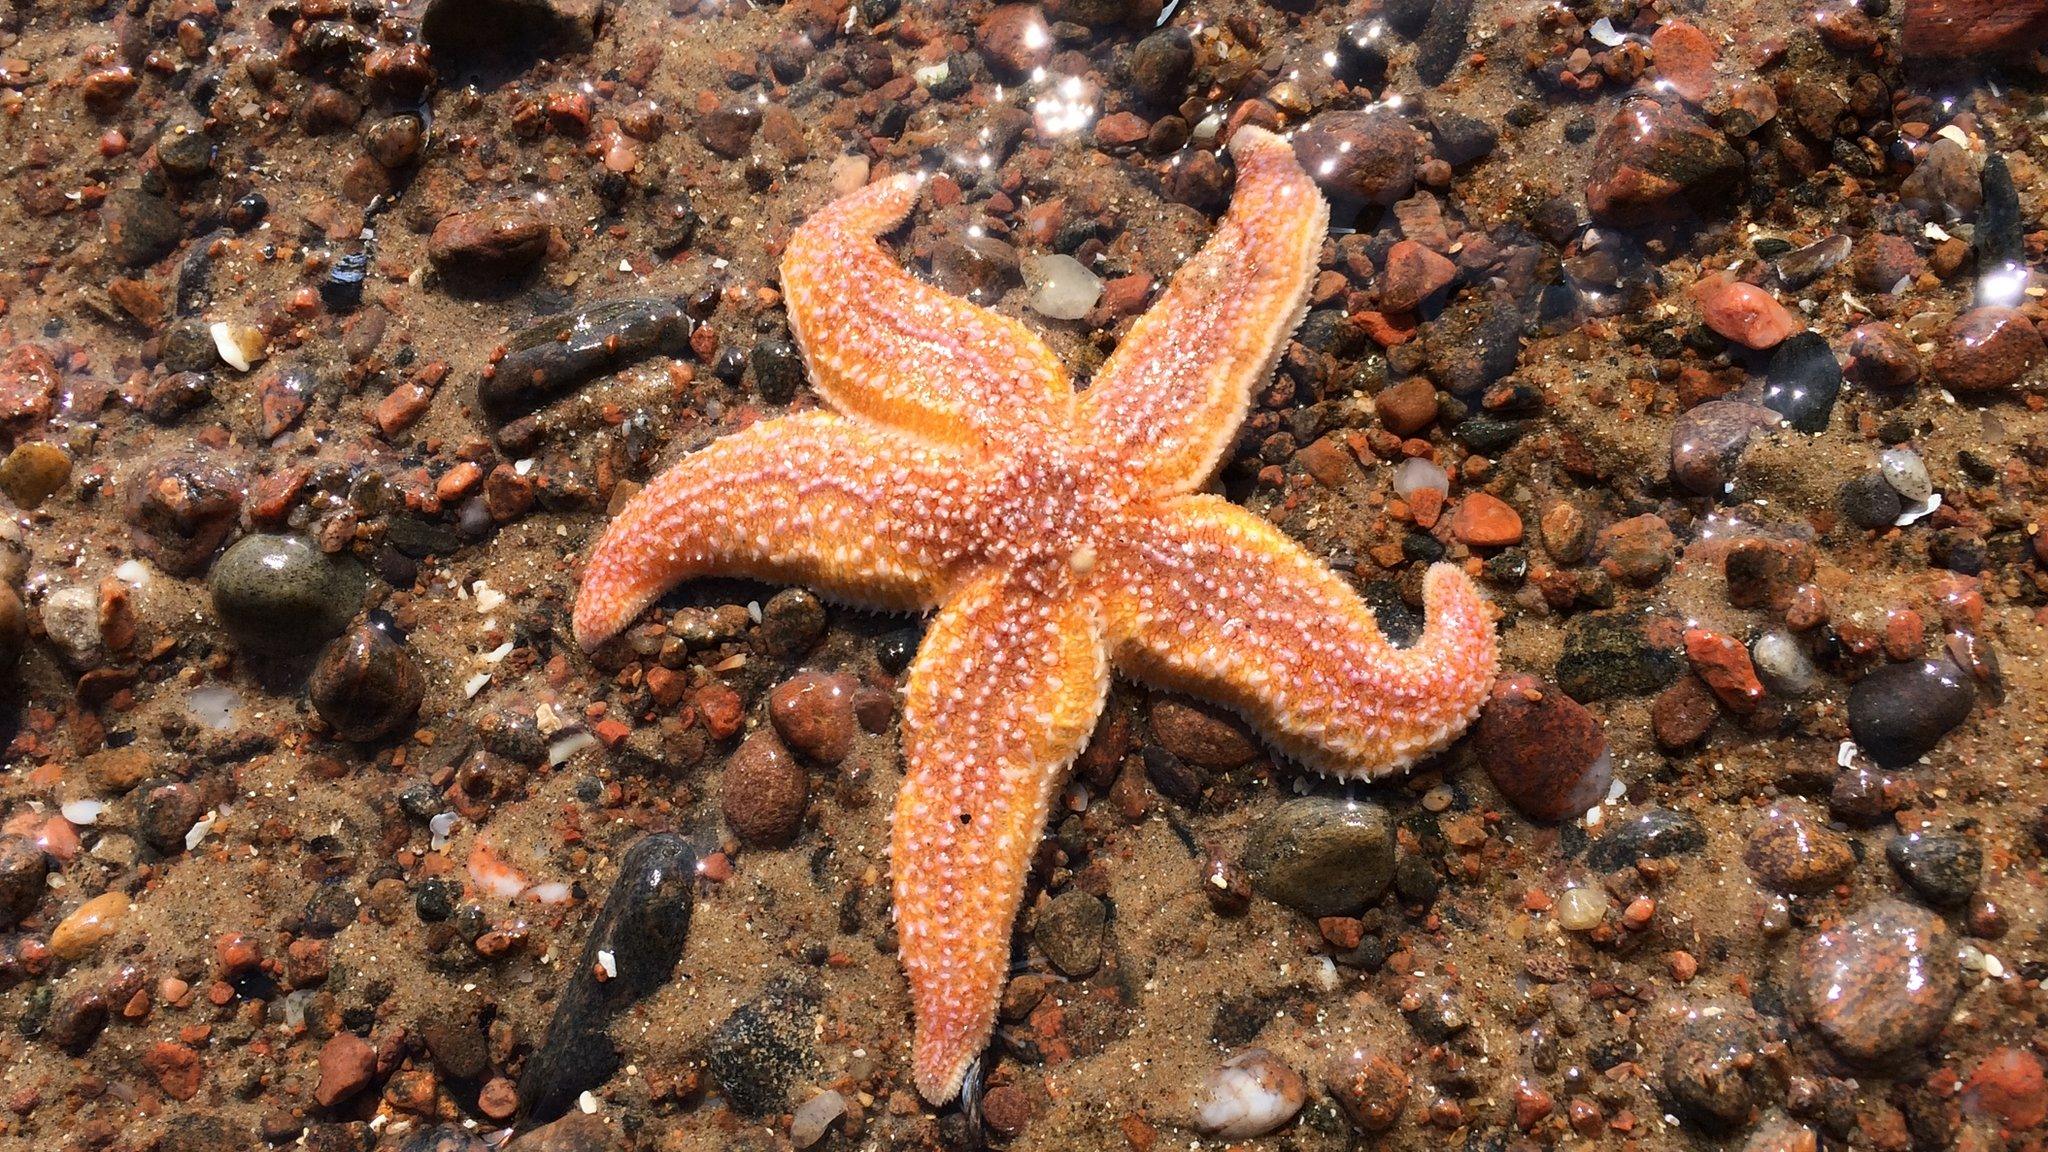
(1057, 534)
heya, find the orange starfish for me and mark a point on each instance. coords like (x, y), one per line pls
(1058, 534)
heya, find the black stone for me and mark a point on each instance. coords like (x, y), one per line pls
(141, 228)
(1610, 654)
(557, 354)
(778, 370)
(1802, 382)
(366, 686)
(1160, 65)
(641, 928)
(1870, 502)
(1656, 834)
(1462, 139)
(1362, 55)
(760, 1051)
(1442, 43)
(1899, 712)
(2000, 238)
(1942, 869)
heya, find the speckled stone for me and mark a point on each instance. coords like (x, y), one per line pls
(764, 792)
(1709, 1068)
(1942, 869)
(282, 594)
(1069, 932)
(1707, 443)
(1543, 750)
(1322, 856)
(1880, 984)
(1794, 851)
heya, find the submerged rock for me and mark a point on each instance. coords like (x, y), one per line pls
(557, 354)
(1879, 985)
(366, 686)
(1322, 856)
(1900, 712)
(282, 594)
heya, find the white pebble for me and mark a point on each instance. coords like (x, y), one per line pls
(238, 344)
(1581, 909)
(1253, 1093)
(1416, 474)
(1907, 473)
(815, 1117)
(1061, 287)
(82, 812)
(1783, 664)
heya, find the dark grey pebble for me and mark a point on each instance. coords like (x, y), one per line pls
(22, 870)
(1900, 712)
(1160, 65)
(1802, 382)
(1999, 238)
(1708, 1071)
(1870, 502)
(559, 353)
(778, 369)
(1942, 869)
(641, 928)
(1653, 834)
(1611, 654)
(1322, 856)
(141, 228)
(366, 686)
(757, 1054)
(283, 594)
(1069, 932)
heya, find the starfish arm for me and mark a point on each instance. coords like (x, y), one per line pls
(1172, 395)
(1211, 599)
(883, 345)
(858, 513)
(1003, 696)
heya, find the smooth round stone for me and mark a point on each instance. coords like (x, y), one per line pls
(1986, 349)
(1783, 664)
(1581, 909)
(1708, 1069)
(88, 926)
(1707, 442)
(283, 594)
(813, 713)
(1322, 856)
(1794, 851)
(1069, 932)
(1942, 869)
(1880, 356)
(1802, 382)
(1204, 735)
(1900, 712)
(764, 791)
(1251, 1094)
(1543, 749)
(1880, 984)
(1870, 502)
(1905, 471)
(1371, 1087)
(34, 472)
(366, 686)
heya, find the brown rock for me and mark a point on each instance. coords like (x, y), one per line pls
(1744, 313)
(1766, 573)
(1413, 274)
(1685, 59)
(763, 793)
(1794, 851)
(1707, 443)
(504, 240)
(1966, 28)
(1724, 664)
(1486, 521)
(813, 712)
(1656, 162)
(1543, 749)
(1202, 734)
(2007, 1085)
(1014, 39)
(1879, 985)
(1881, 261)
(1408, 407)
(1354, 156)
(1681, 714)
(347, 1063)
(1372, 1088)
(1880, 356)
(176, 1069)
(1986, 349)
(1566, 535)
(1638, 550)
(729, 130)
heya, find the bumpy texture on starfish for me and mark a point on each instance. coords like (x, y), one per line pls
(1059, 534)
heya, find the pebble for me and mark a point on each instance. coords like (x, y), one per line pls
(283, 594)
(366, 686)
(22, 869)
(813, 713)
(1656, 162)
(1945, 184)
(1160, 65)
(977, 267)
(1707, 442)
(1764, 573)
(1900, 712)
(631, 951)
(1250, 1094)
(730, 128)
(1943, 869)
(33, 473)
(1780, 1134)
(88, 926)
(1581, 909)
(1802, 382)
(70, 617)
(791, 623)
(759, 1052)
(1883, 261)
(1723, 664)
(1412, 275)
(165, 811)
(1069, 932)
(1781, 662)
(484, 247)
(2000, 237)
(1205, 735)
(1566, 533)
(1408, 407)
(1638, 550)
(1653, 834)
(1060, 287)
(1685, 58)
(1880, 984)
(576, 1132)
(763, 792)
(141, 228)
(1461, 139)
(557, 354)
(347, 1064)
(1802, 266)
(1475, 342)
(1986, 349)
(1612, 654)
(1360, 156)
(1682, 714)
(78, 1022)
(1882, 357)
(1709, 1069)
(1904, 470)
(444, 1138)
(814, 1118)
(1870, 502)
(1543, 750)
(2008, 1086)
(1483, 520)
(1743, 313)
(1794, 851)
(778, 369)
(1014, 39)
(1322, 856)
(1371, 1087)
(183, 509)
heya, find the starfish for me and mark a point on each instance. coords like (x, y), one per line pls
(1059, 534)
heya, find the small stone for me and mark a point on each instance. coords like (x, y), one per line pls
(485, 246)
(1781, 662)
(1945, 184)
(1682, 714)
(791, 623)
(1803, 381)
(1802, 266)
(78, 1022)
(1202, 734)
(1707, 443)
(1655, 162)
(1943, 869)
(22, 869)
(1613, 654)
(175, 1068)
(2007, 1086)
(1685, 59)
(1882, 261)
(1160, 65)
(1543, 750)
(763, 793)
(1581, 909)
(1880, 984)
(1724, 665)
(141, 228)
(1986, 349)
(1486, 521)
(1014, 39)
(1408, 407)
(283, 594)
(71, 619)
(1251, 1094)
(347, 1063)
(183, 510)
(1900, 712)
(813, 713)
(1794, 851)
(33, 473)
(1566, 532)
(759, 1052)
(1652, 834)
(1413, 274)
(1069, 932)
(1372, 1089)
(1360, 156)
(1905, 471)
(814, 1118)
(1461, 139)
(1709, 1069)
(1766, 573)
(1869, 502)
(1743, 313)
(366, 686)
(1322, 856)
(165, 811)
(1638, 550)
(88, 926)
(778, 370)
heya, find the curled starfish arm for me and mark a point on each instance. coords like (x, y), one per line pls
(885, 346)
(1215, 601)
(1176, 389)
(1003, 695)
(858, 513)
